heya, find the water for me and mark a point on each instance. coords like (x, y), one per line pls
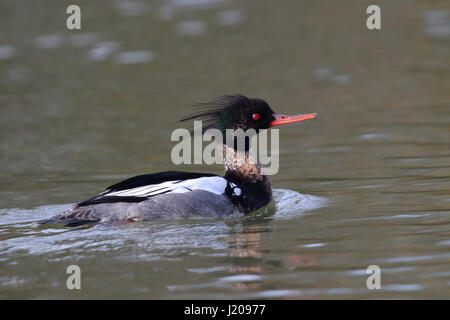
(365, 184)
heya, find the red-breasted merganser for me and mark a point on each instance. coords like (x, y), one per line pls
(175, 194)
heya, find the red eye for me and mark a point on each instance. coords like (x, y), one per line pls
(256, 116)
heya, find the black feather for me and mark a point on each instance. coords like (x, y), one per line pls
(232, 112)
(110, 199)
(140, 181)
(156, 178)
(218, 113)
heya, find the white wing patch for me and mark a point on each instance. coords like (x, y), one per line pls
(215, 185)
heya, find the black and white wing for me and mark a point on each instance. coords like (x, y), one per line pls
(143, 187)
(140, 188)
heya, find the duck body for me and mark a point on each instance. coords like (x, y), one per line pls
(169, 195)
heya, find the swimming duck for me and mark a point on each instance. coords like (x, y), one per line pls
(176, 194)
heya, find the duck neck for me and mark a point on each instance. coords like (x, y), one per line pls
(245, 166)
